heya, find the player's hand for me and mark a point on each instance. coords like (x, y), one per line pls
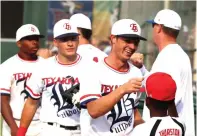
(133, 85)
(137, 59)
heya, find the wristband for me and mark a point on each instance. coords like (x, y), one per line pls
(21, 131)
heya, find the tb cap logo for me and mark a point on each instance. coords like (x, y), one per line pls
(32, 29)
(67, 26)
(134, 27)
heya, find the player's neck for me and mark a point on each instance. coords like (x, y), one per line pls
(66, 60)
(165, 42)
(28, 57)
(83, 41)
(116, 63)
(158, 113)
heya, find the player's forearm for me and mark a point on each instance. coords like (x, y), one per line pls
(28, 113)
(6, 112)
(137, 118)
(103, 105)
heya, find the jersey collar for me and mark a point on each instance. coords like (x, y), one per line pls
(31, 61)
(114, 69)
(71, 64)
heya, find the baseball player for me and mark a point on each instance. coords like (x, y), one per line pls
(108, 97)
(85, 49)
(160, 89)
(14, 73)
(174, 61)
(53, 81)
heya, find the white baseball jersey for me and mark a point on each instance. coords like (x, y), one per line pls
(89, 52)
(14, 73)
(160, 126)
(101, 81)
(174, 61)
(50, 82)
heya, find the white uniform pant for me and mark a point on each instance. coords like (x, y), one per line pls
(33, 130)
(56, 130)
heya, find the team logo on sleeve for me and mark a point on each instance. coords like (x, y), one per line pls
(120, 116)
(59, 86)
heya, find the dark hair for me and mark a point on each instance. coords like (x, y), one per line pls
(86, 33)
(160, 105)
(171, 32)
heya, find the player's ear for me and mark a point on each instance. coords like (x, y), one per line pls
(55, 42)
(159, 28)
(113, 39)
(19, 44)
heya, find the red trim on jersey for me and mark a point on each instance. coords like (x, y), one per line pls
(27, 60)
(78, 58)
(5, 89)
(87, 95)
(116, 70)
(32, 91)
(142, 89)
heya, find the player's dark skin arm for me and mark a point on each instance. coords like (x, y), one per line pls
(137, 118)
(6, 112)
(172, 110)
(28, 112)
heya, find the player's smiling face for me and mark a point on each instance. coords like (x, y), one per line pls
(67, 46)
(29, 44)
(125, 47)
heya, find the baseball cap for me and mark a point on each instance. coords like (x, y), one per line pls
(127, 28)
(160, 86)
(168, 18)
(63, 28)
(27, 30)
(80, 20)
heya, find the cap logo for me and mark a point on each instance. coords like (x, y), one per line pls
(33, 29)
(134, 27)
(67, 26)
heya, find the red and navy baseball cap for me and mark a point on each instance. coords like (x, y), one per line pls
(160, 86)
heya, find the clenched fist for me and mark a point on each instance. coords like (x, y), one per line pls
(137, 60)
(133, 85)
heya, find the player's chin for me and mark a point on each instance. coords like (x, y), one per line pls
(126, 56)
(70, 54)
(34, 51)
